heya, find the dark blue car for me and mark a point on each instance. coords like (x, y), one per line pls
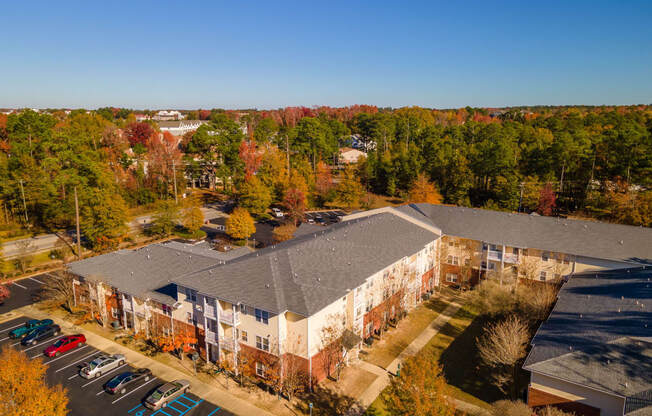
(40, 334)
(29, 326)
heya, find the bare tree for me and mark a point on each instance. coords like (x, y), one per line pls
(294, 377)
(331, 342)
(502, 347)
(510, 408)
(537, 300)
(25, 257)
(530, 267)
(468, 258)
(58, 290)
(553, 411)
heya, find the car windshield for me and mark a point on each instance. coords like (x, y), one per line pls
(115, 381)
(94, 364)
(157, 394)
(60, 342)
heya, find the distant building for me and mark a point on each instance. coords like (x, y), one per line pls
(348, 155)
(166, 115)
(142, 117)
(180, 127)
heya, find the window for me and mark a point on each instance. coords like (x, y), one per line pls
(262, 343)
(515, 250)
(191, 294)
(260, 369)
(369, 284)
(167, 310)
(545, 256)
(450, 243)
(369, 306)
(492, 266)
(358, 311)
(243, 308)
(244, 336)
(262, 316)
(189, 317)
(451, 277)
(370, 327)
(166, 331)
(114, 313)
(542, 276)
(454, 260)
(493, 247)
(566, 260)
(467, 262)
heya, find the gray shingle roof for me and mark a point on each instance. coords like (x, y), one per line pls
(578, 237)
(146, 272)
(599, 335)
(307, 273)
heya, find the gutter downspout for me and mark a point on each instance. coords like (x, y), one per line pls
(308, 348)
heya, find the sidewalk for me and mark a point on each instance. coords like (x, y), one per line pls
(203, 390)
(379, 384)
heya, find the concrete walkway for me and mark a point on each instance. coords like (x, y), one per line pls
(201, 389)
(383, 379)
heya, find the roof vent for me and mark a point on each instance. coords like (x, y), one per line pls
(621, 243)
(319, 279)
(349, 263)
(333, 249)
(132, 273)
(148, 257)
(267, 285)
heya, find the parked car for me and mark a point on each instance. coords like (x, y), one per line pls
(277, 213)
(29, 326)
(64, 344)
(320, 220)
(101, 365)
(166, 393)
(41, 333)
(121, 382)
(310, 221)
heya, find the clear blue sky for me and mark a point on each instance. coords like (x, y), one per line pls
(270, 54)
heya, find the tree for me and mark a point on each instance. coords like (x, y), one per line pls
(193, 218)
(250, 156)
(502, 346)
(4, 293)
(423, 191)
(420, 390)
(23, 390)
(240, 225)
(330, 339)
(324, 183)
(349, 190)
(58, 290)
(103, 218)
(255, 196)
(139, 133)
(547, 200)
(284, 232)
(294, 202)
(25, 254)
(510, 408)
(165, 219)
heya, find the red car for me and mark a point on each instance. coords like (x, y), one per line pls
(64, 344)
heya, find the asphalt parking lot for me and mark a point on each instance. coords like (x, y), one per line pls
(22, 292)
(327, 217)
(87, 397)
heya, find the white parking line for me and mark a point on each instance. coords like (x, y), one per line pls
(75, 362)
(103, 375)
(73, 376)
(141, 386)
(44, 342)
(15, 326)
(65, 355)
(100, 392)
(36, 280)
(19, 285)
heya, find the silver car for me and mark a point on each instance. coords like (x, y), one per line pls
(101, 365)
(166, 393)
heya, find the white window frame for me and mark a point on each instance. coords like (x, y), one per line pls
(543, 275)
(262, 343)
(262, 316)
(451, 277)
(260, 369)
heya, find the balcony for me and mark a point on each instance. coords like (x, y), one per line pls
(211, 337)
(227, 344)
(495, 255)
(209, 311)
(511, 258)
(230, 318)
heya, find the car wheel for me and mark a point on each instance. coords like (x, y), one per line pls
(188, 388)
(99, 373)
(146, 378)
(56, 354)
(34, 342)
(121, 362)
(123, 391)
(56, 333)
(165, 404)
(81, 344)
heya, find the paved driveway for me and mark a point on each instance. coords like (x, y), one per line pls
(22, 292)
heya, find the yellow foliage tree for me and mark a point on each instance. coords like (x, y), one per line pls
(240, 225)
(423, 191)
(23, 391)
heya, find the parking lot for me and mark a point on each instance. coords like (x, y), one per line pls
(324, 217)
(22, 292)
(87, 396)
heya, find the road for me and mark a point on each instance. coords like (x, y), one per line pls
(45, 242)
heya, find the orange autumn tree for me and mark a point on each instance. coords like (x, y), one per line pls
(23, 391)
(419, 390)
(424, 191)
(178, 344)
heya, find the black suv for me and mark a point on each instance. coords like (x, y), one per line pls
(40, 334)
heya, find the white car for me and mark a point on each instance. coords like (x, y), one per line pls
(102, 365)
(277, 213)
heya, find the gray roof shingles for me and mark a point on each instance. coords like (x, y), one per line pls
(599, 334)
(578, 237)
(307, 273)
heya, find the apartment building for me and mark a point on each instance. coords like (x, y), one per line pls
(279, 303)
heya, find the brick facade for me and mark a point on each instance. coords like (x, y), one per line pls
(538, 398)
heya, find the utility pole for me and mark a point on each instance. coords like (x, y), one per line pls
(520, 200)
(174, 173)
(22, 192)
(77, 222)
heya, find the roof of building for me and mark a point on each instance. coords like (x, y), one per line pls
(146, 272)
(578, 237)
(599, 335)
(171, 124)
(307, 273)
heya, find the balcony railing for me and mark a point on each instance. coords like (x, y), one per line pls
(211, 337)
(227, 344)
(511, 258)
(209, 311)
(494, 255)
(230, 318)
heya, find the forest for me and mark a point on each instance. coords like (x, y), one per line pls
(581, 161)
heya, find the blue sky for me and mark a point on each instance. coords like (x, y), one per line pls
(164, 54)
